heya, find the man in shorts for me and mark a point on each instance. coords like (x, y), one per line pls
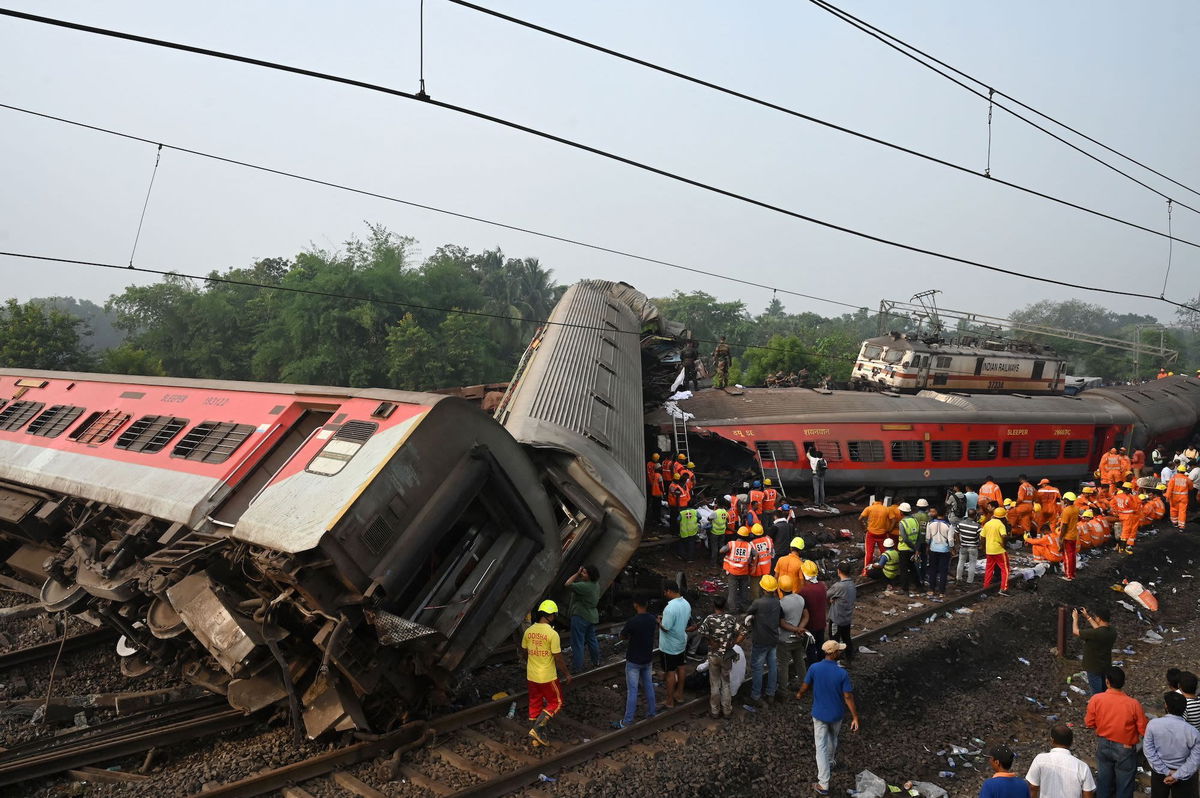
(672, 642)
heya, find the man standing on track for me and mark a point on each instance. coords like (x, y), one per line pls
(1119, 723)
(1068, 530)
(1177, 496)
(876, 520)
(910, 532)
(723, 633)
(672, 642)
(832, 696)
(989, 494)
(1048, 498)
(968, 547)
(639, 660)
(765, 614)
(542, 651)
(1021, 515)
(1059, 774)
(1098, 642)
(994, 533)
(1172, 747)
(738, 553)
(939, 538)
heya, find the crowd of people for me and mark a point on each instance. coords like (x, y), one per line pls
(787, 632)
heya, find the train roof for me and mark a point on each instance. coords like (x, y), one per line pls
(803, 405)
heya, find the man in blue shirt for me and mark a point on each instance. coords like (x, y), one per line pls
(832, 696)
(1005, 784)
(672, 641)
(1172, 747)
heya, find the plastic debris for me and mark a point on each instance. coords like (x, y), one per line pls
(547, 779)
(1022, 660)
(1078, 689)
(964, 610)
(883, 638)
(1127, 605)
(1140, 594)
(868, 785)
(865, 650)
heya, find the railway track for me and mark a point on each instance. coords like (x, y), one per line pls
(50, 650)
(487, 728)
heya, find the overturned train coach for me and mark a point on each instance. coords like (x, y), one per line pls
(348, 551)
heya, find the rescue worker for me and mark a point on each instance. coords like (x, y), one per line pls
(1138, 462)
(792, 650)
(876, 521)
(1020, 517)
(1048, 497)
(542, 651)
(1126, 463)
(791, 565)
(656, 491)
(887, 566)
(990, 495)
(1090, 529)
(922, 515)
(1046, 548)
(721, 359)
(994, 532)
(1110, 468)
(1153, 508)
(756, 498)
(718, 524)
(652, 467)
(909, 533)
(687, 475)
(762, 559)
(676, 501)
(1068, 531)
(690, 355)
(770, 500)
(737, 566)
(735, 518)
(679, 464)
(816, 601)
(1177, 495)
(689, 529)
(1128, 511)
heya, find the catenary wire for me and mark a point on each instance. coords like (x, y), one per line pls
(422, 206)
(847, 15)
(986, 174)
(900, 48)
(216, 279)
(470, 112)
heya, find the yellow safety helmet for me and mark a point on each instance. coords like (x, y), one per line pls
(1037, 507)
(1089, 489)
(1126, 484)
(786, 583)
(1160, 486)
(797, 543)
(744, 531)
(808, 568)
(1182, 468)
(768, 583)
(1088, 513)
(655, 457)
(767, 482)
(1069, 496)
(999, 512)
(1143, 496)
(1009, 502)
(756, 529)
(548, 607)
(691, 464)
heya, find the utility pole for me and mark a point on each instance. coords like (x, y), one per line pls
(1137, 346)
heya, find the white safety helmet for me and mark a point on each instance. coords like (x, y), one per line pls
(922, 503)
(905, 507)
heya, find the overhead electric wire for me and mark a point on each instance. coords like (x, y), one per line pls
(900, 48)
(212, 278)
(579, 146)
(810, 118)
(422, 206)
(847, 15)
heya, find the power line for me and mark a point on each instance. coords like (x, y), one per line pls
(847, 15)
(581, 147)
(986, 174)
(219, 280)
(887, 38)
(422, 206)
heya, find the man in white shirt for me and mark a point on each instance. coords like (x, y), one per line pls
(1059, 774)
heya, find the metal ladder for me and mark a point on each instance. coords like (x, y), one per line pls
(679, 436)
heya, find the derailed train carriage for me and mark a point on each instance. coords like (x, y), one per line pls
(350, 550)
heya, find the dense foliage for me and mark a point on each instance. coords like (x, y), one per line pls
(229, 327)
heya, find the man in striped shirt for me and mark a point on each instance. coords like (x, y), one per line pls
(1187, 686)
(968, 546)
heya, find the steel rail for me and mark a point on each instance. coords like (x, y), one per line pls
(23, 656)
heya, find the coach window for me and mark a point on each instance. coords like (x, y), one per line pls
(1046, 450)
(830, 450)
(866, 451)
(149, 434)
(52, 423)
(212, 441)
(18, 414)
(776, 451)
(908, 451)
(1016, 450)
(940, 379)
(339, 449)
(1076, 449)
(98, 427)
(946, 451)
(981, 450)
(943, 362)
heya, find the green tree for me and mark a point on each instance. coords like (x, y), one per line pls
(33, 336)
(782, 353)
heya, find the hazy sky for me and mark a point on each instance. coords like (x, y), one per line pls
(1123, 72)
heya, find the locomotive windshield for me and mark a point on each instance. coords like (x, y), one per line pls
(894, 356)
(871, 352)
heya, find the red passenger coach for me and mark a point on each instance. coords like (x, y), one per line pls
(928, 439)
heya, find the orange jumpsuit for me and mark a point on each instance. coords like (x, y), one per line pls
(1046, 548)
(990, 492)
(1020, 517)
(1048, 497)
(1153, 509)
(656, 484)
(1138, 462)
(878, 521)
(756, 501)
(1126, 467)
(1110, 468)
(1128, 510)
(1177, 496)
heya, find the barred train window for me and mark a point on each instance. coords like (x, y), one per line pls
(1076, 448)
(52, 423)
(908, 451)
(981, 450)
(339, 449)
(946, 451)
(783, 451)
(1016, 450)
(865, 451)
(830, 450)
(1046, 450)
(212, 441)
(99, 427)
(150, 434)
(15, 415)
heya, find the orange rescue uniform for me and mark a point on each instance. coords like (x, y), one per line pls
(1048, 496)
(1021, 515)
(990, 492)
(1177, 496)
